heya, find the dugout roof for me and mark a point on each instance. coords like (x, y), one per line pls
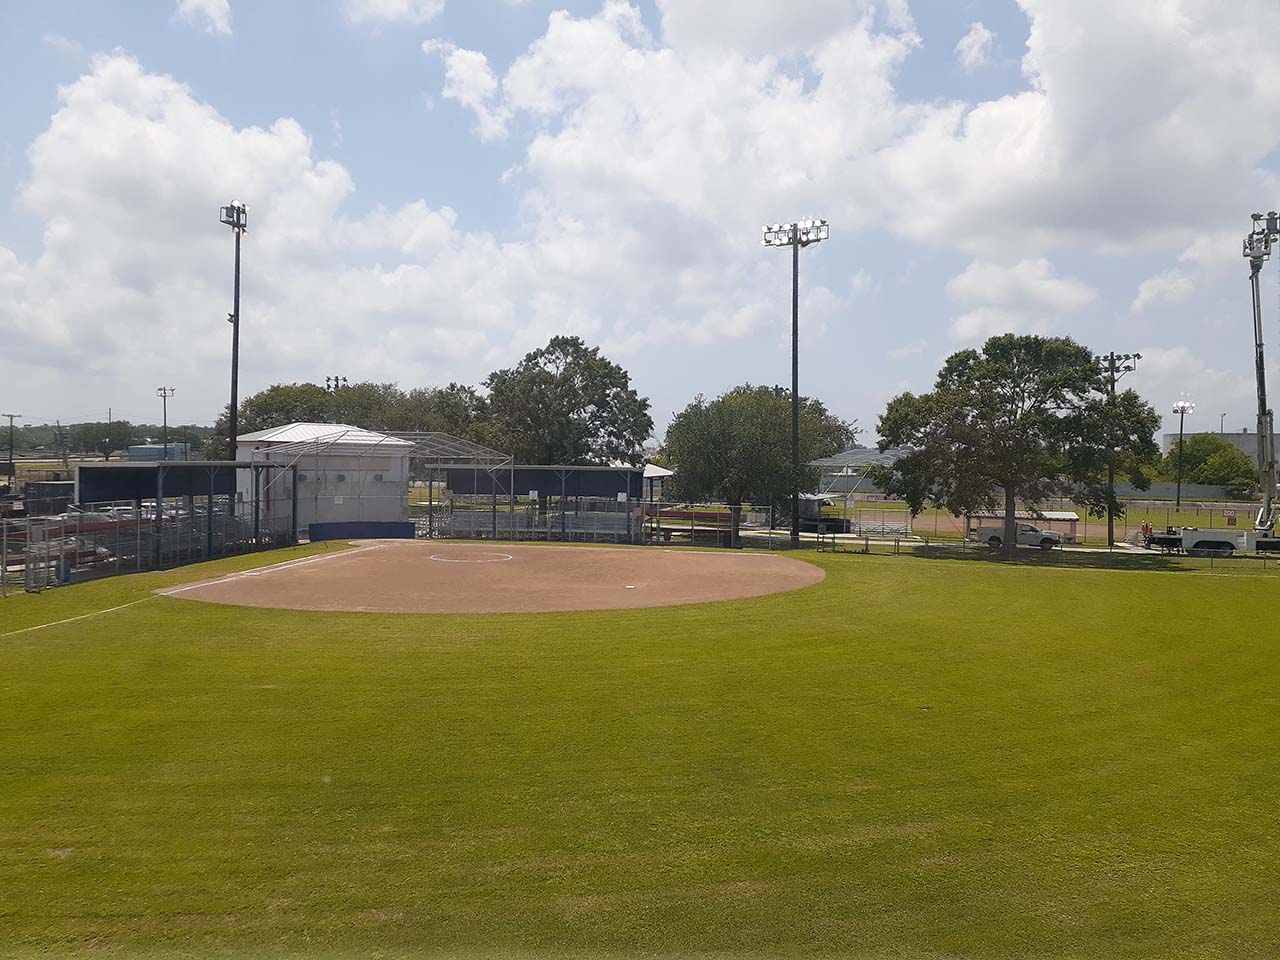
(134, 480)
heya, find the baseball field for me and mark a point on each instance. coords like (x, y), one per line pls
(888, 757)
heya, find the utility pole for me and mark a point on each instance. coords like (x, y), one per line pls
(13, 469)
(795, 235)
(1115, 366)
(236, 216)
(62, 446)
(164, 393)
(1222, 424)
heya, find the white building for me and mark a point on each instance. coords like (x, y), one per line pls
(344, 473)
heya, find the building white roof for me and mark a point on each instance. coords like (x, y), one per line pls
(654, 472)
(340, 434)
(1063, 515)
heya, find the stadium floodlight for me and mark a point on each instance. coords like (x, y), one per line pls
(802, 233)
(236, 216)
(1182, 408)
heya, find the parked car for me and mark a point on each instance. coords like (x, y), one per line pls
(1029, 535)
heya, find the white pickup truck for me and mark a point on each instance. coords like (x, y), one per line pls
(1029, 535)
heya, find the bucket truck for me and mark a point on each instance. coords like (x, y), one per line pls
(1257, 250)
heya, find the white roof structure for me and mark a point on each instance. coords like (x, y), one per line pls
(342, 433)
(1060, 515)
(654, 472)
(294, 440)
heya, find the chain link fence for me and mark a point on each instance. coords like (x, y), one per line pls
(106, 539)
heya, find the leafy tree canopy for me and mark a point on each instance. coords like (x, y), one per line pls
(565, 403)
(101, 437)
(1208, 458)
(737, 448)
(1022, 419)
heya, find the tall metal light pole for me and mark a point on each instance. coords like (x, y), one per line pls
(1222, 424)
(1115, 365)
(795, 235)
(164, 393)
(13, 470)
(236, 216)
(1181, 408)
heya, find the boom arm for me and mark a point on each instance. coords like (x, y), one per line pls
(1257, 248)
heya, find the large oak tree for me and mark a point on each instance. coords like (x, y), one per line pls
(565, 403)
(1023, 419)
(737, 448)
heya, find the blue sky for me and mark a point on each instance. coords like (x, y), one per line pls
(436, 187)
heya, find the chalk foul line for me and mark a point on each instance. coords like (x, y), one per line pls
(83, 616)
(260, 571)
(257, 571)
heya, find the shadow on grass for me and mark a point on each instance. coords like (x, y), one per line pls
(1092, 560)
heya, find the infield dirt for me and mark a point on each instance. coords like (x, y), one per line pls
(412, 576)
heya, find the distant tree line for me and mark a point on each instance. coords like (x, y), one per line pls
(562, 403)
(95, 438)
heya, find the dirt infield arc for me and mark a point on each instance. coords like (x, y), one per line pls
(409, 576)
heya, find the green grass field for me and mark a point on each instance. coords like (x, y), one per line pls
(917, 758)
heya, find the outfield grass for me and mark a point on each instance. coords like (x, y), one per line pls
(916, 758)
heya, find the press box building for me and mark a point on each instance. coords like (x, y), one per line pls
(345, 473)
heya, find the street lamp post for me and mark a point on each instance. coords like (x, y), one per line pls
(1115, 365)
(164, 393)
(795, 235)
(1181, 408)
(236, 216)
(1222, 424)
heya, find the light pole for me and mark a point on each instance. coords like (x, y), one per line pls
(1181, 408)
(164, 393)
(1222, 424)
(1115, 365)
(795, 235)
(236, 216)
(13, 470)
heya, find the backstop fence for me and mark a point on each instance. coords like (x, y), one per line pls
(105, 539)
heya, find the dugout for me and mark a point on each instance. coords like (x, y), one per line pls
(189, 509)
(565, 481)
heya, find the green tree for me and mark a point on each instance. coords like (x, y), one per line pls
(737, 448)
(1209, 458)
(273, 407)
(101, 437)
(565, 403)
(457, 409)
(1022, 419)
(1122, 429)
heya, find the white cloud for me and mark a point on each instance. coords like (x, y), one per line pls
(912, 349)
(767, 27)
(413, 12)
(974, 49)
(212, 16)
(1071, 162)
(1166, 374)
(470, 82)
(126, 146)
(63, 45)
(1023, 296)
(1168, 287)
